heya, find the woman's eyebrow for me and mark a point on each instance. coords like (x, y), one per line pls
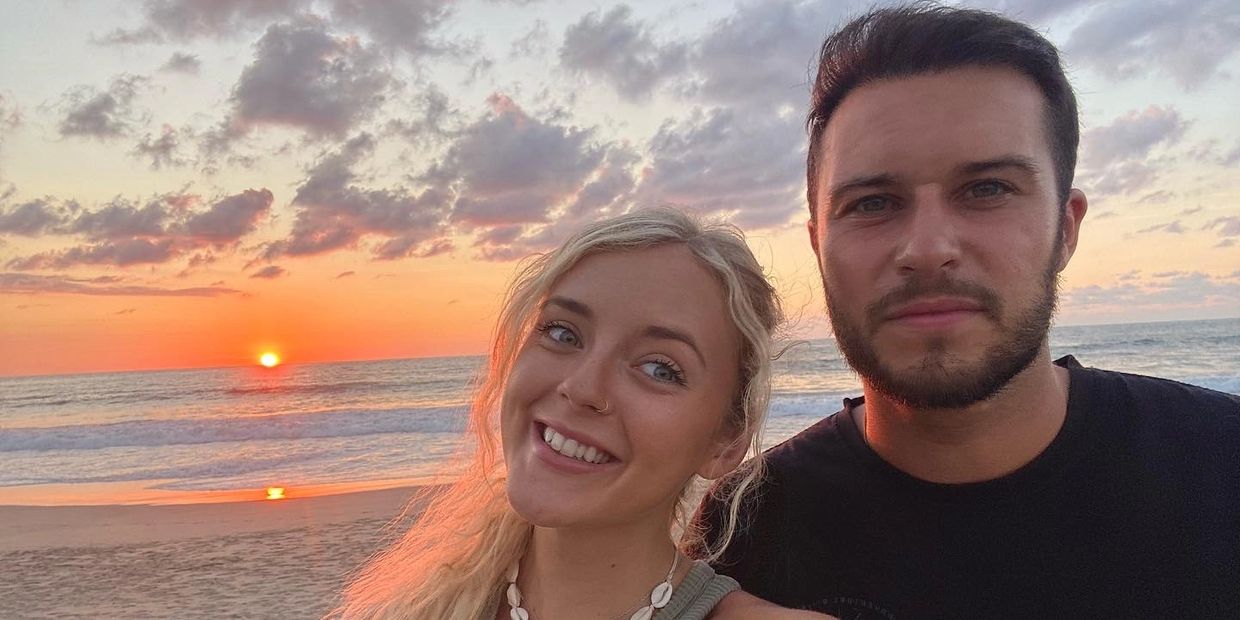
(572, 305)
(667, 333)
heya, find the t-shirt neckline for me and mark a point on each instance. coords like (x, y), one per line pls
(1043, 470)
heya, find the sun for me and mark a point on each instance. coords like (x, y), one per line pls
(269, 359)
(275, 492)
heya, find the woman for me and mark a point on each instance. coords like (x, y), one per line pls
(627, 364)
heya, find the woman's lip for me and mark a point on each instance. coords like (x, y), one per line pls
(560, 462)
(575, 436)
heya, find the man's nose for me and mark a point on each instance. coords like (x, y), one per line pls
(930, 238)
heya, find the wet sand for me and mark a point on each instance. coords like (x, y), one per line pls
(254, 559)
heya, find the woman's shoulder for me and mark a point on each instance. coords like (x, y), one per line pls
(740, 605)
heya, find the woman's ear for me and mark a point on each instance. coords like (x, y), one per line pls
(726, 454)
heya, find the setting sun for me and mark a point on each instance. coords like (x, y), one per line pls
(269, 359)
(275, 492)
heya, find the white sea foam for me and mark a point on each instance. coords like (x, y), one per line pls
(152, 433)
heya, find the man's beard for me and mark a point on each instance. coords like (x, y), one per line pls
(944, 380)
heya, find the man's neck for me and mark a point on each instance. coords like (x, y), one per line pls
(983, 441)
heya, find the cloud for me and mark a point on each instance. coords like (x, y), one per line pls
(520, 182)
(164, 228)
(1186, 40)
(189, 19)
(1158, 197)
(10, 117)
(334, 212)
(534, 43)
(1170, 227)
(431, 117)
(126, 311)
(270, 272)
(107, 114)
(621, 51)
(1170, 290)
(721, 160)
(163, 151)
(229, 219)
(511, 168)
(1030, 10)
(1232, 157)
(305, 77)
(32, 218)
(345, 274)
(180, 62)
(120, 252)
(28, 284)
(763, 55)
(1115, 157)
(397, 24)
(1228, 226)
(129, 36)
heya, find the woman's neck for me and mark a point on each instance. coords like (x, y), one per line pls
(593, 573)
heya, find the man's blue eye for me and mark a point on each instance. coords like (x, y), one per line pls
(987, 189)
(871, 205)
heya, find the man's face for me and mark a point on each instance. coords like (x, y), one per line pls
(938, 233)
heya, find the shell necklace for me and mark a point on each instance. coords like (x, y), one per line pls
(659, 596)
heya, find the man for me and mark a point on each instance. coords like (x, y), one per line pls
(976, 478)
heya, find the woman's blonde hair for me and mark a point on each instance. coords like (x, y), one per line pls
(451, 562)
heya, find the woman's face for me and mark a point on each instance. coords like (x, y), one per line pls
(630, 371)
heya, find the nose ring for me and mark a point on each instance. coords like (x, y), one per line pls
(606, 406)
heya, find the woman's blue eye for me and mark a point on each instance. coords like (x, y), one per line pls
(560, 334)
(663, 371)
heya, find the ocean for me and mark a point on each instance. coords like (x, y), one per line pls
(167, 436)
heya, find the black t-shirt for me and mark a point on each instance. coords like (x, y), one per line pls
(1133, 511)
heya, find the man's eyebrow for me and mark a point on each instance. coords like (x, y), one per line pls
(572, 305)
(667, 333)
(1008, 161)
(867, 181)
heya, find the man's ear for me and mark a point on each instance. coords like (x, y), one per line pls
(812, 227)
(1074, 212)
(726, 454)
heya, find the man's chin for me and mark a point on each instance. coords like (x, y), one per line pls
(934, 384)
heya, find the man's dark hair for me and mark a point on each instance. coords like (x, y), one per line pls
(923, 38)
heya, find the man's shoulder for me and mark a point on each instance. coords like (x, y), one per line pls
(1147, 392)
(821, 440)
(1171, 409)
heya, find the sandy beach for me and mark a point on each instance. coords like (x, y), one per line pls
(253, 559)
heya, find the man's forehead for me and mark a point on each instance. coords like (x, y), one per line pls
(944, 119)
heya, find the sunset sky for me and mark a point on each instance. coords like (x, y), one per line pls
(188, 183)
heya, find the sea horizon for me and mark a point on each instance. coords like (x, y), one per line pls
(479, 354)
(229, 433)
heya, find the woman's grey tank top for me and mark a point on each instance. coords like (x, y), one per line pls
(697, 594)
(694, 597)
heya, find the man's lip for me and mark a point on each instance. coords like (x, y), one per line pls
(932, 307)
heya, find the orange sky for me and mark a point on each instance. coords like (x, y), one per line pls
(186, 188)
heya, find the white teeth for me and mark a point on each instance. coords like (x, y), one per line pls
(573, 449)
